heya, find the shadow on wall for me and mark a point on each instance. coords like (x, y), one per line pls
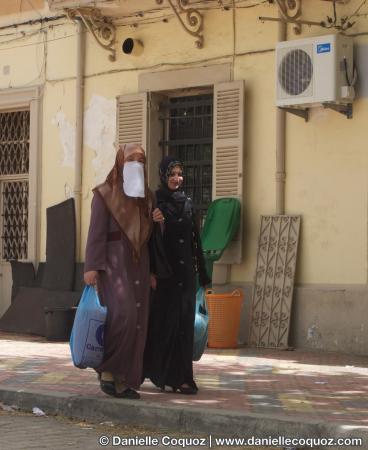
(361, 63)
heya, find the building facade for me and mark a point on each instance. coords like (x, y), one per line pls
(203, 89)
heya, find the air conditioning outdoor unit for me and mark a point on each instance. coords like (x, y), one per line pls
(315, 71)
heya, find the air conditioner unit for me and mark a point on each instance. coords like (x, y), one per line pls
(315, 71)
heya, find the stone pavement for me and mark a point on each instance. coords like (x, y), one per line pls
(20, 432)
(24, 431)
(244, 392)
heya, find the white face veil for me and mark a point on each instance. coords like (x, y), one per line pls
(133, 179)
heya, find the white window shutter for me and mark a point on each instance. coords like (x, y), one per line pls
(131, 118)
(228, 149)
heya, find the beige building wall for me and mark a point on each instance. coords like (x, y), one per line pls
(326, 158)
(326, 180)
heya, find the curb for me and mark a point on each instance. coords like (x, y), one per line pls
(177, 418)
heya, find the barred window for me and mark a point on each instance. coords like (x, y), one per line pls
(14, 168)
(188, 129)
(14, 143)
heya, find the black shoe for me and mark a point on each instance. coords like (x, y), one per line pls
(128, 393)
(108, 387)
(186, 390)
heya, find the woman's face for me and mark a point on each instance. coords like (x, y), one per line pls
(175, 178)
(136, 156)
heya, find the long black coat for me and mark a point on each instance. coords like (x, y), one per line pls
(169, 345)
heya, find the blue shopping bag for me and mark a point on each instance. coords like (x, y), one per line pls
(86, 339)
(200, 325)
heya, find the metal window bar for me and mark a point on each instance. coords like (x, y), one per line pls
(14, 188)
(188, 135)
(14, 214)
(14, 142)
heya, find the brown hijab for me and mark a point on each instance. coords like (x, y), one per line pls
(132, 214)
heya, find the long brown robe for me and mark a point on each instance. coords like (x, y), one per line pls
(123, 286)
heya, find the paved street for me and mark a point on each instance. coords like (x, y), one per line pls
(22, 431)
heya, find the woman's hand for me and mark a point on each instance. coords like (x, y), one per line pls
(90, 277)
(157, 215)
(153, 281)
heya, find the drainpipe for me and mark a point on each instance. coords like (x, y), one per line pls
(280, 139)
(79, 105)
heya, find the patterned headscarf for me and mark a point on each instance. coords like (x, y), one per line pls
(166, 165)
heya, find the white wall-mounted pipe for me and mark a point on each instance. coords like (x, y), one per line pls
(280, 140)
(79, 107)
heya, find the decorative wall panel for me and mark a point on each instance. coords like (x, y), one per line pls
(274, 281)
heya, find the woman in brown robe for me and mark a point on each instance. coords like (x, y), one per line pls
(117, 262)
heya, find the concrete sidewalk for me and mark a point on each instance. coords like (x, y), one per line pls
(245, 392)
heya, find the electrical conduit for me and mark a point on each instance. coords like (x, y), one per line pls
(77, 189)
(280, 140)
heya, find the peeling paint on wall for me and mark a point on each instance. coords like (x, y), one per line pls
(99, 134)
(67, 138)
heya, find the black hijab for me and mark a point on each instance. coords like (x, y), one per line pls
(165, 168)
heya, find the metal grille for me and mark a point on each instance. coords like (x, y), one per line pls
(14, 142)
(295, 72)
(274, 281)
(14, 214)
(14, 168)
(188, 135)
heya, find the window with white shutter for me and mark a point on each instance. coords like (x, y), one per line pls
(132, 119)
(228, 143)
(138, 121)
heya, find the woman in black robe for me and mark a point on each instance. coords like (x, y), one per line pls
(169, 345)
